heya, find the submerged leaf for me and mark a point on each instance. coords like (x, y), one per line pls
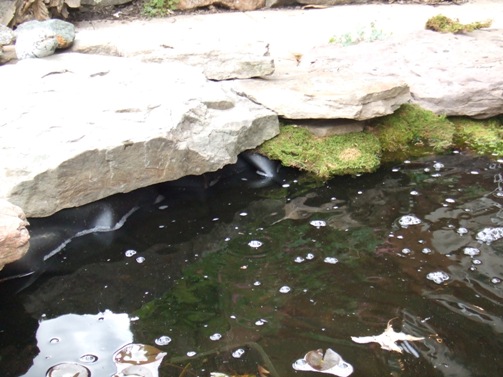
(387, 340)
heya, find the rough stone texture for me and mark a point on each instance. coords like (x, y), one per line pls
(219, 62)
(325, 95)
(114, 125)
(451, 74)
(7, 11)
(14, 237)
(231, 4)
(7, 36)
(38, 39)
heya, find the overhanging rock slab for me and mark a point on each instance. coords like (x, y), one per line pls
(77, 128)
(326, 95)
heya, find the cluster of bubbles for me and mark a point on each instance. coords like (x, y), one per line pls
(438, 277)
(408, 220)
(318, 223)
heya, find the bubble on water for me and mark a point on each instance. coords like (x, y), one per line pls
(238, 353)
(318, 223)
(285, 185)
(473, 268)
(462, 231)
(216, 336)
(406, 251)
(299, 259)
(191, 354)
(261, 322)
(476, 262)
(450, 200)
(496, 280)
(426, 250)
(309, 256)
(68, 369)
(285, 289)
(437, 277)
(255, 244)
(471, 251)
(438, 165)
(474, 172)
(243, 214)
(163, 207)
(330, 260)
(140, 259)
(88, 358)
(414, 193)
(489, 235)
(54, 340)
(215, 219)
(163, 340)
(436, 175)
(130, 253)
(408, 220)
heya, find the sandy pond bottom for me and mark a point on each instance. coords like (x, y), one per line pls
(242, 279)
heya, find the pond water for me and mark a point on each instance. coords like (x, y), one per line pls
(245, 279)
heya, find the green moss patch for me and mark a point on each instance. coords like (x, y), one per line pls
(412, 131)
(481, 136)
(351, 153)
(445, 24)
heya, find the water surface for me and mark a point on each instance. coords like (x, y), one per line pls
(235, 275)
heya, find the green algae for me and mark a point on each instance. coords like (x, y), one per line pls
(443, 24)
(352, 153)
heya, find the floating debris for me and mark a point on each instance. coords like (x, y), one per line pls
(438, 277)
(138, 360)
(387, 340)
(408, 220)
(331, 363)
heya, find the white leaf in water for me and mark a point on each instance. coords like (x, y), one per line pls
(330, 363)
(387, 339)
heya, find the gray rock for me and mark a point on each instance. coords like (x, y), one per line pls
(451, 74)
(38, 39)
(223, 62)
(7, 36)
(325, 95)
(91, 126)
(7, 11)
(14, 237)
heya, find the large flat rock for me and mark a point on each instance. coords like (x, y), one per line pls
(76, 128)
(450, 74)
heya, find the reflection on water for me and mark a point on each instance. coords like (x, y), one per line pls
(242, 279)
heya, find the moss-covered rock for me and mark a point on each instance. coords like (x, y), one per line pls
(412, 131)
(351, 153)
(445, 24)
(481, 136)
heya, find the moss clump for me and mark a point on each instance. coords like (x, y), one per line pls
(351, 153)
(412, 131)
(445, 24)
(481, 136)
